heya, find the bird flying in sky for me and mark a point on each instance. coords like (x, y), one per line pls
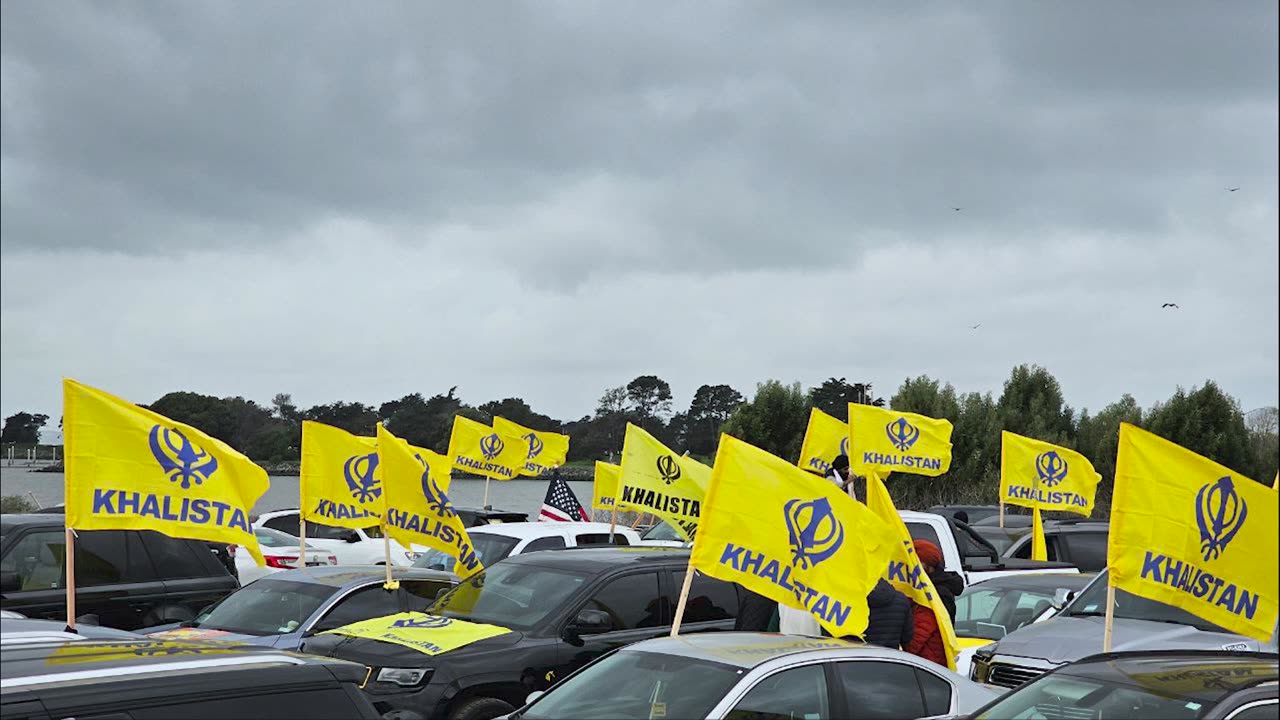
(975, 327)
(1170, 305)
(1232, 189)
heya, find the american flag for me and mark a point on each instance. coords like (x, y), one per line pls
(560, 504)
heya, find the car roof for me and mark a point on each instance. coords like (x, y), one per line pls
(342, 576)
(524, 530)
(1081, 525)
(28, 629)
(1208, 675)
(20, 519)
(597, 559)
(1036, 581)
(751, 649)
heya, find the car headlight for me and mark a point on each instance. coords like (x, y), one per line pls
(412, 555)
(404, 677)
(980, 668)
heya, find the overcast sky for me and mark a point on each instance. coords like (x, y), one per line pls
(354, 201)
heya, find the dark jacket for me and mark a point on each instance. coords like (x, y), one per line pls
(891, 623)
(949, 585)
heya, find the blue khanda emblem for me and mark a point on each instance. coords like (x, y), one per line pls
(668, 468)
(491, 446)
(179, 458)
(902, 434)
(358, 471)
(536, 445)
(815, 532)
(436, 498)
(1220, 513)
(1051, 468)
(430, 621)
(844, 446)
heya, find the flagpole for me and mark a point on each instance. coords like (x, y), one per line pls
(302, 525)
(684, 597)
(71, 579)
(386, 549)
(1110, 616)
(613, 522)
(485, 504)
(1002, 513)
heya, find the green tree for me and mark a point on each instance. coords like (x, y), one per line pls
(926, 396)
(1032, 405)
(834, 395)
(649, 396)
(1098, 438)
(283, 406)
(1264, 442)
(206, 413)
(774, 420)
(711, 407)
(23, 428)
(426, 423)
(354, 417)
(1206, 421)
(518, 411)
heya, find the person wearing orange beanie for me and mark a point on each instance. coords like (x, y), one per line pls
(926, 640)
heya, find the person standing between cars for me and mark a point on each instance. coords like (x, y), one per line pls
(926, 639)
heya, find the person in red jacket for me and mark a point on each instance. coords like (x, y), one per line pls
(926, 641)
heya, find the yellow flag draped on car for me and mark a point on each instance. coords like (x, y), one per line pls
(656, 480)
(1191, 533)
(480, 449)
(543, 450)
(339, 480)
(792, 537)
(128, 468)
(885, 441)
(905, 571)
(1037, 474)
(604, 491)
(824, 439)
(428, 634)
(415, 483)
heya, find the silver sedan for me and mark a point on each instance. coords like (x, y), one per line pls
(753, 675)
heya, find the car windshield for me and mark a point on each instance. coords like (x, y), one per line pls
(999, 538)
(489, 548)
(511, 595)
(640, 685)
(265, 607)
(662, 531)
(373, 531)
(993, 612)
(1058, 696)
(1093, 602)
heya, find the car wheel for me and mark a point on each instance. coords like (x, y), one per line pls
(480, 708)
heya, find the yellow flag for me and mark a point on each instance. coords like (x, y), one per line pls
(656, 480)
(543, 450)
(604, 491)
(415, 483)
(824, 439)
(1039, 550)
(884, 441)
(128, 468)
(428, 634)
(480, 449)
(792, 537)
(905, 571)
(1191, 533)
(339, 478)
(1037, 474)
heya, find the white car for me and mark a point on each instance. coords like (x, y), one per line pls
(351, 547)
(495, 542)
(280, 550)
(662, 535)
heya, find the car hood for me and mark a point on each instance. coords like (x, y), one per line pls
(377, 653)
(189, 633)
(1066, 639)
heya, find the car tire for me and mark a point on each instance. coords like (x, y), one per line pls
(480, 708)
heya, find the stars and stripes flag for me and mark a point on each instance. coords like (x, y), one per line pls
(560, 504)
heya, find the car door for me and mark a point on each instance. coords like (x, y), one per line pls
(1087, 550)
(637, 608)
(712, 604)
(799, 691)
(193, 577)
(886, 689)
(364, 603)
(31, 574)
(116, 580)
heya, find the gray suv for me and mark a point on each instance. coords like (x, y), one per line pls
(1076, 632)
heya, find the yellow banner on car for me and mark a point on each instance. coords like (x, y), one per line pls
(654, 479)
(1191, 533)
(128, 468)
(884, 441)
(1037, 474)
(132, 651)
(604, 491)
(480, 449)
(543, 450)
(415, 482)
(824, 439)
(339, 479)
(905, 572)
(792, 537)
(428, 634)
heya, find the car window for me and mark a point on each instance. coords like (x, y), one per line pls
(1050, 546)
(173, 558)
(601, 539)
(1263, 710)
(709, 598)
(36, 560)
(1087, 550)
(923, 531)
(373, 531)
(363, 604)
(631, 601)
(662, 531)
(320, 703)
(489, 548)
(316, 531)
(879, 689)
(422, 594)
(266, 606)
(110, 557)
(287, 524)
(1061, 696)
(547, 543)
(795, 693)
(936, 691)
(512, 595)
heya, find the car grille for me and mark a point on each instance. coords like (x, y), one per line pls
(1012, 676)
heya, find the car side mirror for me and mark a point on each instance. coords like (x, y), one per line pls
(591, 622)
(10, 582)
(1061, 597)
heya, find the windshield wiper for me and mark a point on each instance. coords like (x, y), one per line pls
(1087, 613)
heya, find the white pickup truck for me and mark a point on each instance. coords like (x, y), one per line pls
(967, 554)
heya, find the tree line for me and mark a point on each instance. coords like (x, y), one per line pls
(1204, 419)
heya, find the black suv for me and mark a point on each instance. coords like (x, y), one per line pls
(129, 579)
(1082, 543)
(155, 680)
(564, 609)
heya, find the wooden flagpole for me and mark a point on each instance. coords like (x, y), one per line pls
(386, 550)
(613, 522)
(485, 504)
(684, 597)
(1110, 617)
(70, 559)
(1002, 513)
